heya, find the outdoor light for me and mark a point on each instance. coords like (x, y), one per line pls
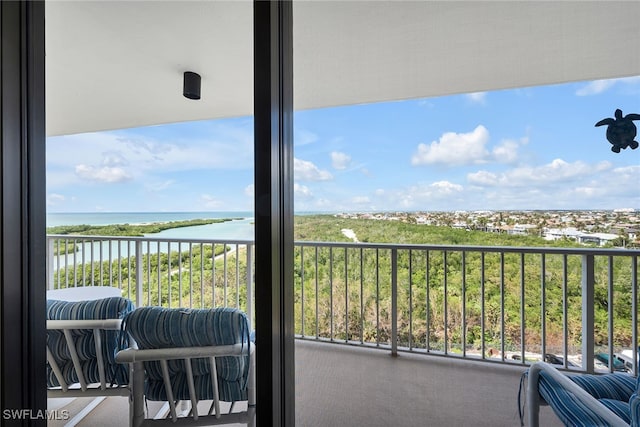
(191, 87)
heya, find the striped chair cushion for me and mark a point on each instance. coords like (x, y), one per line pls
(107, 308)
(634, 407)
(158, 327)
(612, 390)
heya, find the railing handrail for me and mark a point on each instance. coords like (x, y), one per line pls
(476, 248)
(372, 245)
(150, 239)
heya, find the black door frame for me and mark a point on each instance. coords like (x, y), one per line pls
(273, 115)
(22, 223)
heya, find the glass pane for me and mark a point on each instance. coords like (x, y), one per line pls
(150, 171)
(451, 188)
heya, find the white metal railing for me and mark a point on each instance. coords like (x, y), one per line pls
(173, 272)
(569, 306)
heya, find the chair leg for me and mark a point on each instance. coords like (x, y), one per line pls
(251, 390)
(533, 397)
(137, 395)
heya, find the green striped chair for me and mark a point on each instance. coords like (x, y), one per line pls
(191, 355)
(584, 400)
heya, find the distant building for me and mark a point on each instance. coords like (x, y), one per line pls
(570, 233)
(522, 229)
(630, 232)
(421, 220)
(599, 239)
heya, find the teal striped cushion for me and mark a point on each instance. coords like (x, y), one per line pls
(612, 390)
(106, 308)
(158, 327)
(611, 386)
(634, 409)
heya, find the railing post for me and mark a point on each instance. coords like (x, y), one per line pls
(588, 282)
(139, 273)
(394, 302)
(50, 249)
(634, 312)
(250, 285)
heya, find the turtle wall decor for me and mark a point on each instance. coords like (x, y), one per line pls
(621, 131)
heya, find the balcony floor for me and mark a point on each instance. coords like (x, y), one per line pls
(340, 385)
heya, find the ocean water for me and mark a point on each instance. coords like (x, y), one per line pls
(240, 229)
(105, 218)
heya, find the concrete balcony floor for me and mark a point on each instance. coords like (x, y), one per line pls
(339, 385)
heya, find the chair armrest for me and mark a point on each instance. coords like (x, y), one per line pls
(136, 357)
(590, 402)
(132, 355)
(109, 324)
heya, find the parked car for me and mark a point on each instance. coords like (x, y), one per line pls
(627, 357)
(618, 363)
(556, 360)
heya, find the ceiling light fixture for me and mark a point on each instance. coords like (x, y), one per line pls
(191, 87)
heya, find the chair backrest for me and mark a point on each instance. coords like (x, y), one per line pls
(634, 403)
(163, 328)
(82, 340)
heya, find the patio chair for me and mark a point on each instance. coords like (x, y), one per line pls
(583, 399)
(190, 355)
(82, 340)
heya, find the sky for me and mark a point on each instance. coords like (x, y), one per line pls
(518, 149)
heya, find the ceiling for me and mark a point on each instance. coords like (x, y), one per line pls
(119, 64)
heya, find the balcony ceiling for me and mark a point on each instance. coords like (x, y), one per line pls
(119, 64)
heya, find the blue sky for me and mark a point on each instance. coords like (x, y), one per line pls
(529, 148)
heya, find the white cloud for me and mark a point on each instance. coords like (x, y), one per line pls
(221, 147)
(454, 149)
(557, 171)
(420, 196)
(483, 178)
(104, 174)
(113, 158)
(444, 188)
(249, 190)
(304, 137)
(507, 150)
(595, 87)
(340, 160)
(143, 155)
(599, 86)
(477, 97)
(307, 171)
(301, 191)
(54, 199)
(630, 171)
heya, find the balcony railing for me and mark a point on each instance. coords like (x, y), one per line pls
(577, 307)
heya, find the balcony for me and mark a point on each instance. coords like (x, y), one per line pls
(392, 334)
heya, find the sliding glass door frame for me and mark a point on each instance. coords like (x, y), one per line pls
(23, 219)
(273, 115)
